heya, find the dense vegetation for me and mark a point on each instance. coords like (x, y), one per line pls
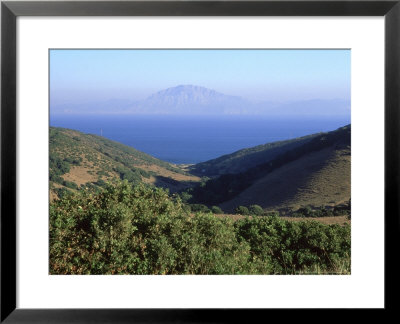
(127, 229)
(217, 190)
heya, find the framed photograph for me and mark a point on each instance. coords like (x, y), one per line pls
(181, 160)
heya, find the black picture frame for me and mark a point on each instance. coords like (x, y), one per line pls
(10, 10)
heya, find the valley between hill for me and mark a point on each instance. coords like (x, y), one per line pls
(311, 172)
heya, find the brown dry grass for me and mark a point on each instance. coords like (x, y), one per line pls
(329, 220)
(320, 178)
(53, 195)
(340, 220)
(80, 175)
(167, 173)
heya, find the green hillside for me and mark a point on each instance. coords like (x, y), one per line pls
(82, 160)
(320, 165)
(320, 178)
(247, 158)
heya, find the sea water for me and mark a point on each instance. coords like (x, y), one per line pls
(193, 139)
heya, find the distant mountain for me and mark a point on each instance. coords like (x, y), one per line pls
(189, 99)
(193, 99)
(196, 100)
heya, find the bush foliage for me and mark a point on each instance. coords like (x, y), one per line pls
(140, 230)
(322, 211)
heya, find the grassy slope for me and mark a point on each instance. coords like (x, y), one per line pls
(319, 178)
(315, 173)
(247, 158)
(101, 158)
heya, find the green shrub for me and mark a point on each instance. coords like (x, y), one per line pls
(242, 210)
(71, 160)
(199, 208)
(70, 184)
(141, 230)
(100, 183)
(57, 167)
(271, 214)
(289, 247)
(62, 192)
(256, 210)
(305, 211)
(185, 196)
(56, 178)
(131, 175)
(341, 210)
(216, 210)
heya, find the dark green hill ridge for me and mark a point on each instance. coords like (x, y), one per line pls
(226, 187)
(247, 158)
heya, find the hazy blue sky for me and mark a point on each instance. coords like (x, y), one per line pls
(272, 75)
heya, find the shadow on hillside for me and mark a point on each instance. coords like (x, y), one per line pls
(292, 184)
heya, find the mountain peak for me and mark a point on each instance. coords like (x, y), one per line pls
(186, 90)
(187, 97)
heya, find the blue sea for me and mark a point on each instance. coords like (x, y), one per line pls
(195, 139)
